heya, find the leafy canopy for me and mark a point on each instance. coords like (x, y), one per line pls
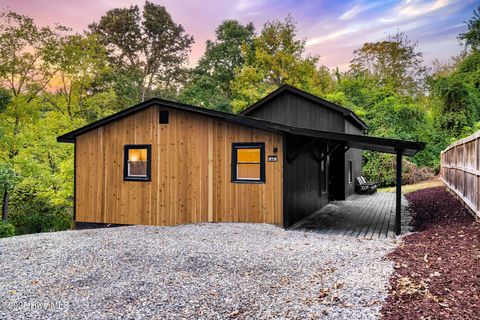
(148, 46)
(394, 64)
(471, 37)
(275, 58)
(209, 85)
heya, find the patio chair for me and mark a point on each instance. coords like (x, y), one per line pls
(366, 187)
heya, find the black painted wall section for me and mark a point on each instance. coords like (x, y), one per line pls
(291, 109)
(355, 155)
(302, 195)
(337, 174)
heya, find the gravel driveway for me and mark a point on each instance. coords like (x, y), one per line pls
(245, 271)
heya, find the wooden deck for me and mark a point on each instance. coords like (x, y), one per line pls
(361, 216)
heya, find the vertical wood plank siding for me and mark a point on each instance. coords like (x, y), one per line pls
(191, 178)
(460, 170)
(302, 195)
(294, 110)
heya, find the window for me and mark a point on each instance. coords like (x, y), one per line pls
(323, 173)
(350, 171)
(248, 162)
(163, 117)
(137, 162)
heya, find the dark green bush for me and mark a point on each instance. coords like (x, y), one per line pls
(31, 212)
(381, 168)
(6, 230)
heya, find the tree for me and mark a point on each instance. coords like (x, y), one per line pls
(8, 180)
(394, 63)
(455, 102)
(27, 54)
(276, 58)
(82, 62)
(471, 37)
(149, 47)
(210, 80)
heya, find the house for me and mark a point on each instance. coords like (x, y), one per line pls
(166, 163)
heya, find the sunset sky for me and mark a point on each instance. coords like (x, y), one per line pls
(333, 29)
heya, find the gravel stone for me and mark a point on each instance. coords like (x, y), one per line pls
(200, 271)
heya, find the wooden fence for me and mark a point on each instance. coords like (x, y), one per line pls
(460, 170)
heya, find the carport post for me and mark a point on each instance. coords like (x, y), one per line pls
(398, 204)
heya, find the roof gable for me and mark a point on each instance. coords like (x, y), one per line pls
(287, 89)
(238, 119)
(355, 141)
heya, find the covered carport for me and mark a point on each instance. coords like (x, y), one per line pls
(344, 141)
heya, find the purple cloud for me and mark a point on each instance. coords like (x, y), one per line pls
(332, 29)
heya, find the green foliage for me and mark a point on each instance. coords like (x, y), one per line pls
(8, 177)
(455, 96)
(6, 230)
(395, 64)
(210, 79)
(381, 168)
(5, 98)
(471, 37)
(275, 58)
(32, 210)
(456, 103)
(28, 54)
(149, 46)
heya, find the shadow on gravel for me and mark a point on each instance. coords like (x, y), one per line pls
(437, 268)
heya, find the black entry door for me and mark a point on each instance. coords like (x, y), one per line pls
(336, 174)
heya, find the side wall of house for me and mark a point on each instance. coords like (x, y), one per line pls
(355, 155)
(190, 173)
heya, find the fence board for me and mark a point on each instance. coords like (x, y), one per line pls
(460, 170)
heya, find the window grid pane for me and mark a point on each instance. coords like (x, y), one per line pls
(248, 171)
(248, 155)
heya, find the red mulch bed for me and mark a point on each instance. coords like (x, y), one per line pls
(437, 269)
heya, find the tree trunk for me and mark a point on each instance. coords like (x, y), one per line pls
(5, 206)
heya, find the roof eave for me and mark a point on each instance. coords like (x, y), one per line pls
(65, 139)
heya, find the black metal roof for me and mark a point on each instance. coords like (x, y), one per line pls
(347, 113)
(355, 141)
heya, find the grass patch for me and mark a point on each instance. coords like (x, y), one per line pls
(416, 186)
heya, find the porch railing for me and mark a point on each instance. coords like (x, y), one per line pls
(460, 170)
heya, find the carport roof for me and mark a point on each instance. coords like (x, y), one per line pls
(407, 148)
(386, 145)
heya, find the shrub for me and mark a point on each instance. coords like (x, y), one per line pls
(6, 230)
(381, 168)
(31, 212)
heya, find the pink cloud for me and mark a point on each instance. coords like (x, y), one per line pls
(333, 29)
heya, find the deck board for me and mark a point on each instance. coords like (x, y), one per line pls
(361, 216)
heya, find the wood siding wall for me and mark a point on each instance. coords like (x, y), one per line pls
(460, 170)
(191, 177)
